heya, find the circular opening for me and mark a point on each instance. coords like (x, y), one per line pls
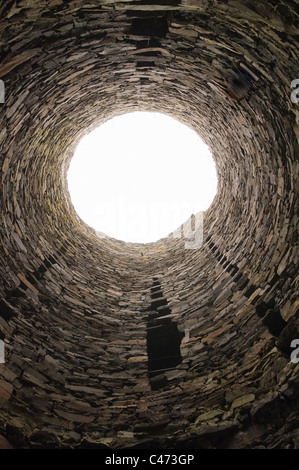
(139, 176)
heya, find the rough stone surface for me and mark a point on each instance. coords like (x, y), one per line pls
(74, 307)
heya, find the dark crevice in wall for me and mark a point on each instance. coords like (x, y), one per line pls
(143, 64)
(153, 26)
(10, 296)
(233, 269)
(263, 307)
(274, 321)
(271, 316)
(163, 340)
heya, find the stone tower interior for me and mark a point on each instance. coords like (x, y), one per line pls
(119, 345)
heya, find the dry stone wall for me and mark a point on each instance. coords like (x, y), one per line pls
(74, 307)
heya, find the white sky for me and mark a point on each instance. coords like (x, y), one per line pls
(141, 175)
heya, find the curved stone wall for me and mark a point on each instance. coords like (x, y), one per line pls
(76, 308)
